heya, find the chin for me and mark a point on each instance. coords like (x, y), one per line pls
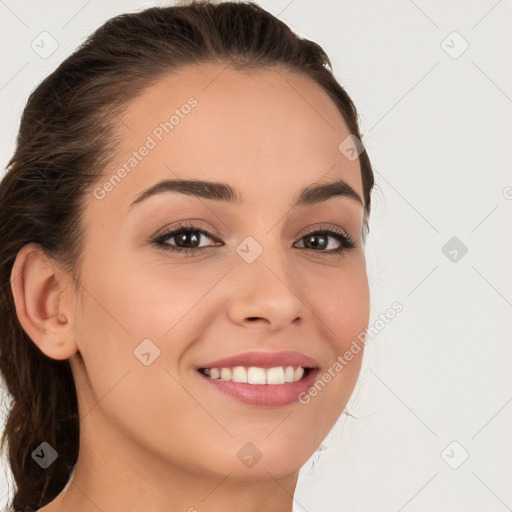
(263, 460)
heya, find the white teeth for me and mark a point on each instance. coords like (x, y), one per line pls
(256, 375)
(225, 373)
(275, 375)
(239, 374)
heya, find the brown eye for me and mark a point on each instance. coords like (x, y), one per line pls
(318, 241)
(186, 239)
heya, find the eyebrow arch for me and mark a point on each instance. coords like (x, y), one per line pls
(310, 195)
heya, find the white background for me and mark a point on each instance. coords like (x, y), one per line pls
(438, 132)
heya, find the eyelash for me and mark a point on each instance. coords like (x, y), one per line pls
(346, 241)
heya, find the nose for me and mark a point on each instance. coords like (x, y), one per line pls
(265, 294)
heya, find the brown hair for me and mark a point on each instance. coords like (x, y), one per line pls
(65, 140)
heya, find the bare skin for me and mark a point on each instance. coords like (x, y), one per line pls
(159, 437)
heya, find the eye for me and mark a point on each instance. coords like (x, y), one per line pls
(184, 235)
(320, 238)
(187, 239)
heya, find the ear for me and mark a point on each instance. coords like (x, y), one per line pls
(39, 288)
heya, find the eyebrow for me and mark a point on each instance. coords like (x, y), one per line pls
(310, 195)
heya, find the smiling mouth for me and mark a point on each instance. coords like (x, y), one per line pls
(257, 375)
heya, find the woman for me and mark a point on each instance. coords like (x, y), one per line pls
(182, 266)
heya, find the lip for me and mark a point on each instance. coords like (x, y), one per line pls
(264, 395)
(263, 360)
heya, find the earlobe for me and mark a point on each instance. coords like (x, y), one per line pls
(37, 288)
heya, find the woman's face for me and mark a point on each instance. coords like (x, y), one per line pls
(257, 282)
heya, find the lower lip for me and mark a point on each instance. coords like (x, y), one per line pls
(265, 395)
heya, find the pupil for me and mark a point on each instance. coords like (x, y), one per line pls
(310, 243)
(181, 240)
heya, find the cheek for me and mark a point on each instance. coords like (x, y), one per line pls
(136, 311)
(147, 297)
(343, 305)
(343, 310)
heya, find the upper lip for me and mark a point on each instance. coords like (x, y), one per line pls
(264, 360)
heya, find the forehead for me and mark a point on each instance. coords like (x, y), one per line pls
(265, 132)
